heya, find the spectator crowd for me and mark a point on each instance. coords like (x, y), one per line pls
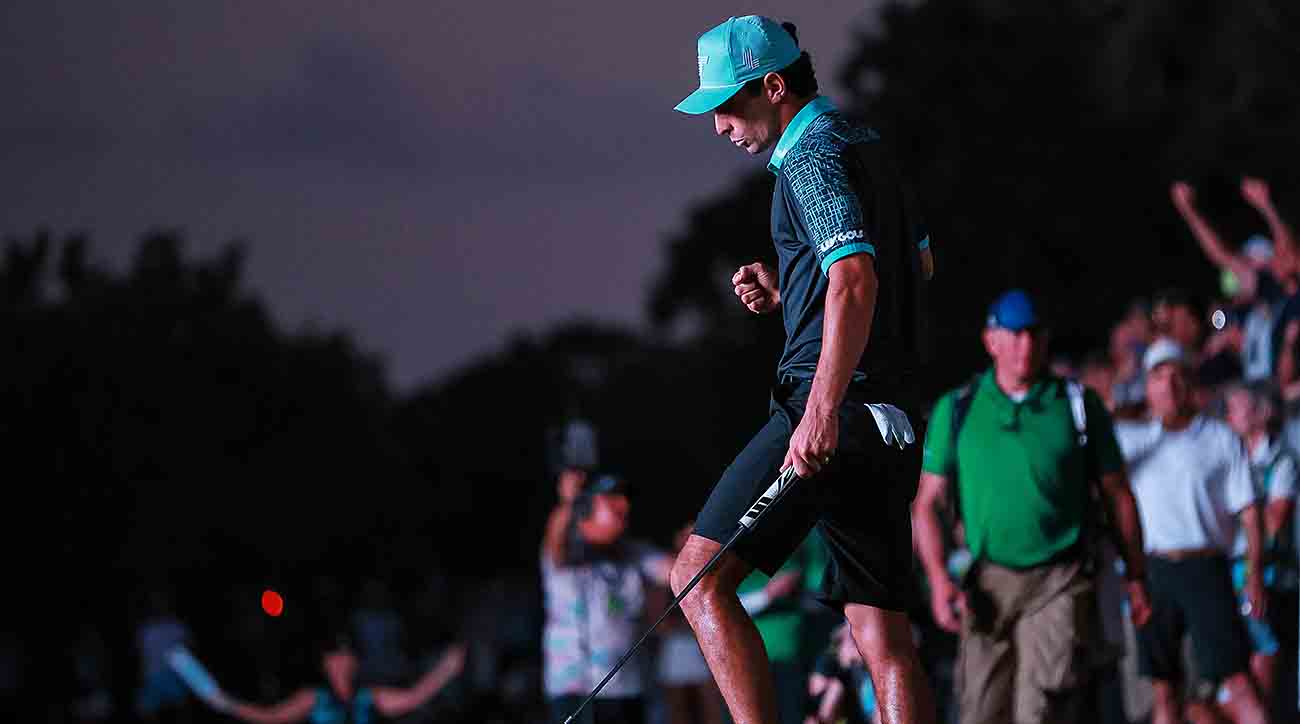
(1110, 538)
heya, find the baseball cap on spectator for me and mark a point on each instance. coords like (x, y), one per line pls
(1161, 351)
(608, 483)
(1014, 311)
(1258, 247)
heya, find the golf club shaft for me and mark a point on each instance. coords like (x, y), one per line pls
(783, 483)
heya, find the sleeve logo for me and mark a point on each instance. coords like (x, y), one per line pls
(835, 239)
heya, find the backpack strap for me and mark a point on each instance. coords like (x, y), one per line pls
(1074, 389)
(961, 401)
(1095, 518)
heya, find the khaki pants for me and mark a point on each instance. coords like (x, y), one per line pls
(1027, 645)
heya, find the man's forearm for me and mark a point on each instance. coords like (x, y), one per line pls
(1208, 238)
(846, 326)
(1128, 528)
(1277, 226)
(556, 527)
(927, 538)
(1250, 521)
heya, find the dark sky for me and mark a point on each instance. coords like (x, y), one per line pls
(429, 176)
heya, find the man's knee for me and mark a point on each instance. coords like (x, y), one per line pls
(722, 579)
(881, 635)
(1164, 694)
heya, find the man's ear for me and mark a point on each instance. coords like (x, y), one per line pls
(774, 88)
(987, 336)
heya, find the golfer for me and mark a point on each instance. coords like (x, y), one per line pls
(850, 282)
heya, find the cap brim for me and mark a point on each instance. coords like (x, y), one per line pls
(704, 100)
(1018, 325)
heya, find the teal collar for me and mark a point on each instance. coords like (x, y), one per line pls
(794, 131)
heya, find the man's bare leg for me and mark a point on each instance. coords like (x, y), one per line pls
(884, 639)
(1166, 704)
(727, 635)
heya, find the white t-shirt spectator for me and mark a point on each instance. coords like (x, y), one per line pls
(594, 613)
(1190, 484)
(1273, 469)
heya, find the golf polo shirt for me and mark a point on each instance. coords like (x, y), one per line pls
(1021, 475)
(839, 193)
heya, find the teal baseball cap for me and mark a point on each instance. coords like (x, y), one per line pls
(734, 53)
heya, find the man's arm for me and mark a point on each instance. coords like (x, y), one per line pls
(557, 526)
(1256, 192)
(294, 709)
(1276, 515)
(1250, 522)
(1184, 199)
(393, 703)
(850, 306)
(946, 600)
(1126, 525)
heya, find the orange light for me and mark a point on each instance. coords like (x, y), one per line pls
(272, 603)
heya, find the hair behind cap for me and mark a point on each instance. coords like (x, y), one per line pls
(800, 78)
(789, 28)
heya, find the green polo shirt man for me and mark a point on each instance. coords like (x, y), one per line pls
(1031, 446)
(1029, 449)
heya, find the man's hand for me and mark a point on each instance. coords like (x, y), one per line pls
(813, 442)
(570, 484)
(1255, 192)
(1182, 194)
(1139, 603)
(947, 604)
(1255, 597)
(756, 285)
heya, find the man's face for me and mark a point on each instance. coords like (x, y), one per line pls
(608, 519)
(1180, 322)
(1240, 415)
(752, 122)
(1167, 390)
(1017, 354)
(1100, 377)
(341, 669)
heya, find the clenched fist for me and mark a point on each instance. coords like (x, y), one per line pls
(757, 287)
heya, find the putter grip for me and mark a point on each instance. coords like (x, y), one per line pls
(774, 491)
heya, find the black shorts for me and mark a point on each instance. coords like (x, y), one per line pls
(1192, 596)
(861, 502)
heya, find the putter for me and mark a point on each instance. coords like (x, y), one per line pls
(775, 491)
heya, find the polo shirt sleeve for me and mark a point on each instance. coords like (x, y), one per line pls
(1103, 444)
(940, 457)
(1282, 481)
(831, 209)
